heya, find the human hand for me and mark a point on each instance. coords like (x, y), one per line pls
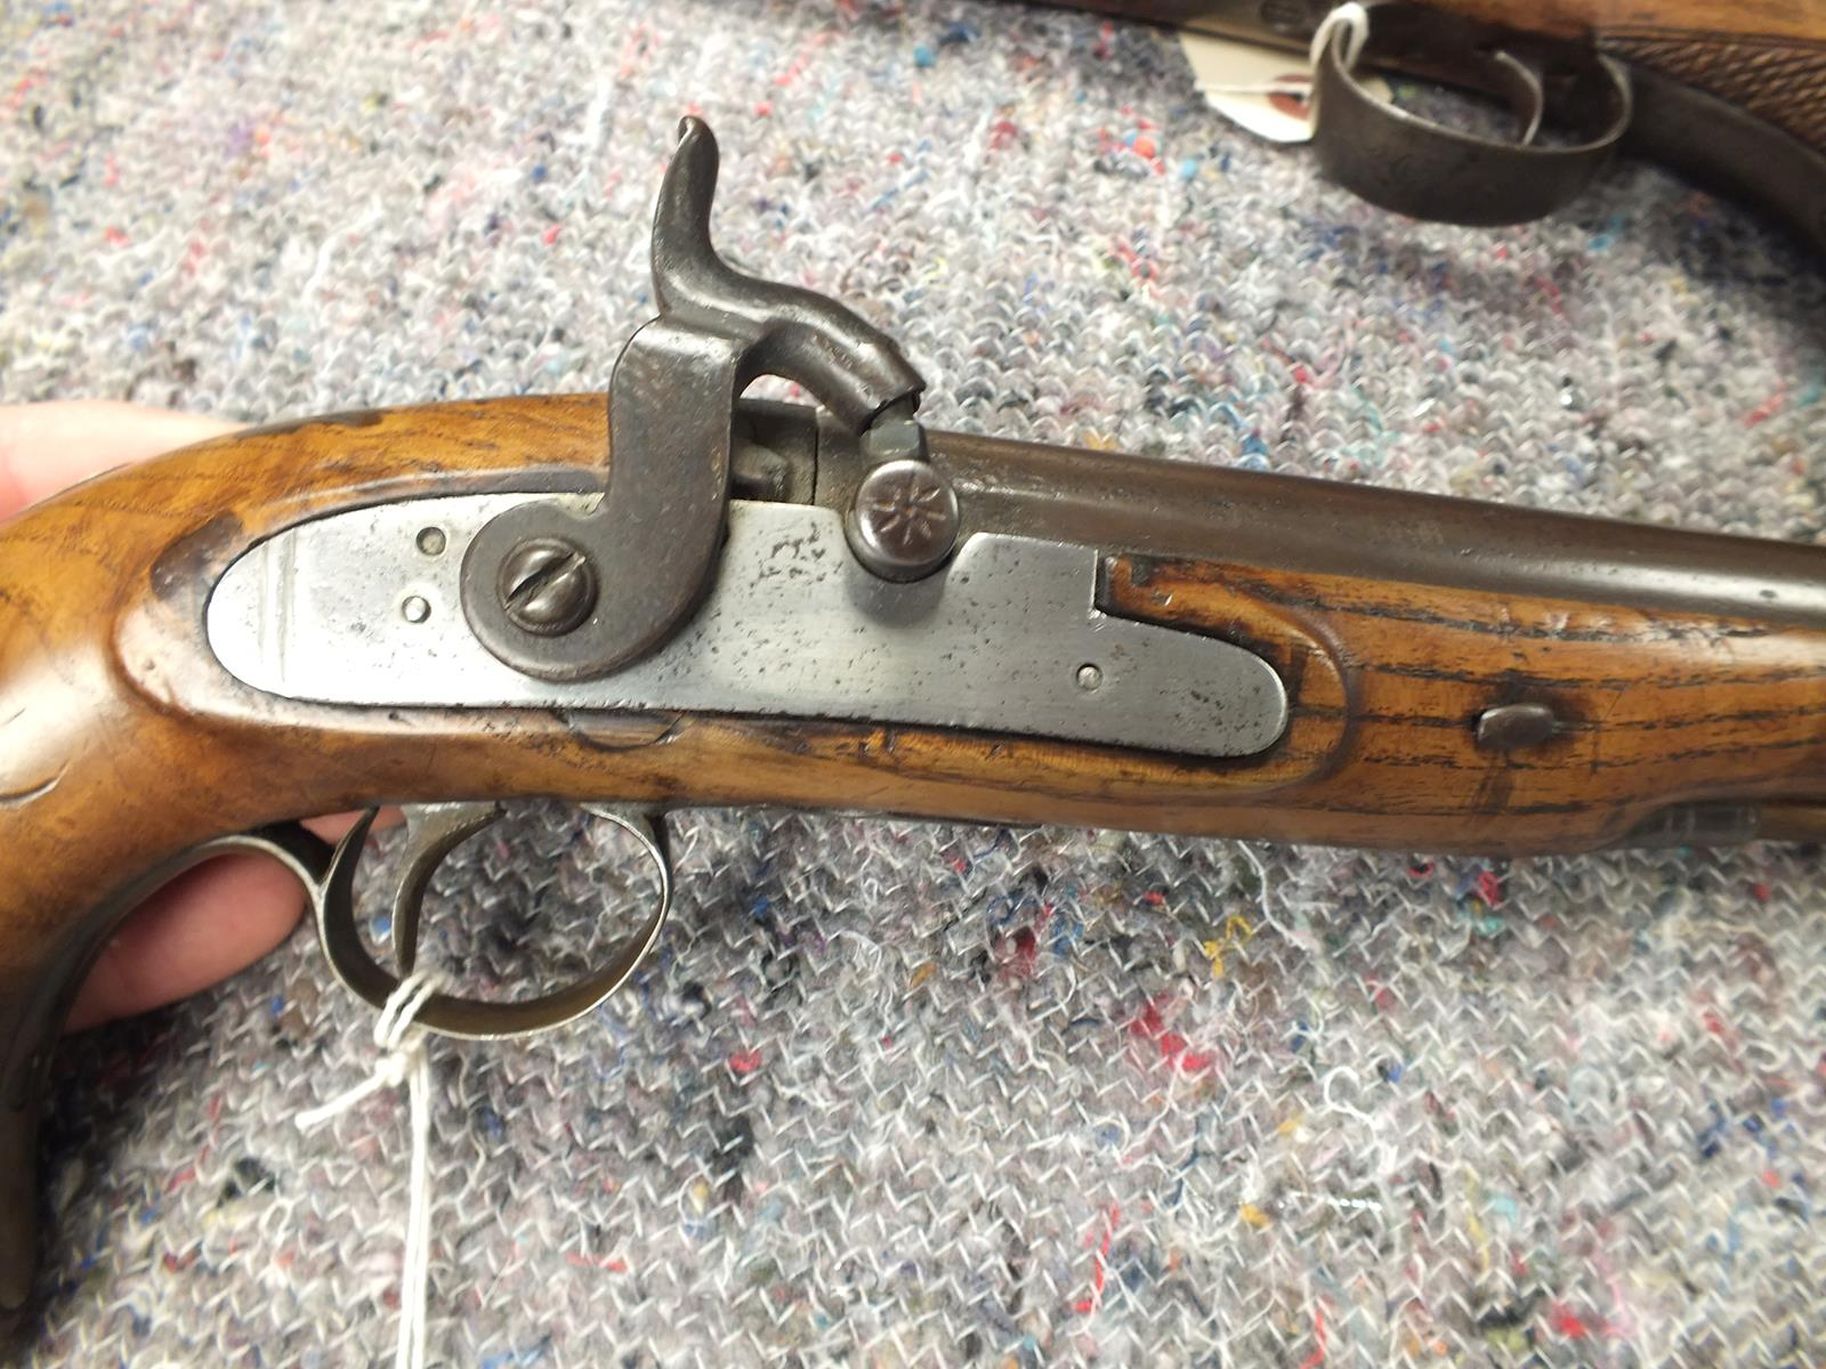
(225, 914)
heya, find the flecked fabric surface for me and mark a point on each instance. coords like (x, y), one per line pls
(894, 1093)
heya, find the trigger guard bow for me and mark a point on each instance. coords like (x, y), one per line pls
(1400, 161)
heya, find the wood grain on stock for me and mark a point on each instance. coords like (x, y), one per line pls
(1653, 708)
(122, 742)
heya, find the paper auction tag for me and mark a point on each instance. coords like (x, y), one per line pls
(1262, 89)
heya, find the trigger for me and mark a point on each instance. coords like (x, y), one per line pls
(433, 831)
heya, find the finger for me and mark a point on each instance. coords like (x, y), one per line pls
(45, 448)
(334, 828)
(202, 927)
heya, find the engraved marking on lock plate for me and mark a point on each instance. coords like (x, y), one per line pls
(792, 627)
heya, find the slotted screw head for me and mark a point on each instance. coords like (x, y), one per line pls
(547, 586)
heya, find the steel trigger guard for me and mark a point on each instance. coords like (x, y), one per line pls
(433, 831)
(1399, 161)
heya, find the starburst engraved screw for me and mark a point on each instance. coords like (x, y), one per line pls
(904, 522)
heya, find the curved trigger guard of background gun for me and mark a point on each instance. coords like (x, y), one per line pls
(1400, 161)
(433, 832)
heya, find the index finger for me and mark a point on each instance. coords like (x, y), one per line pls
(48, 447)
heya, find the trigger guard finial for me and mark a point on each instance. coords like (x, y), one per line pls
(433, 831)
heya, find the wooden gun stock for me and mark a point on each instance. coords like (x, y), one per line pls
(1666, 682)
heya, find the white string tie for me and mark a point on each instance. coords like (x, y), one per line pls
(1351, 17)
(1354, 20)
(397, 1034)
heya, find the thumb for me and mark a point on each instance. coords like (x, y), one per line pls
(45, 448)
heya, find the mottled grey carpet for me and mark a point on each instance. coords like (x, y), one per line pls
(925, 1094)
